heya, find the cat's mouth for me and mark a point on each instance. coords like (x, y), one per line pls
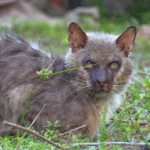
(102, 87)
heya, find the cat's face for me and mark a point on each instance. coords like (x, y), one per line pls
(106, 66)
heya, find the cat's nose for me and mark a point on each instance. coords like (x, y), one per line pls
(100, 84)
(101, 77)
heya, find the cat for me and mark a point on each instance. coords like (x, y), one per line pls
(76, 97)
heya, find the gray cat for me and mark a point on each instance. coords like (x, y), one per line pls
(75, 98)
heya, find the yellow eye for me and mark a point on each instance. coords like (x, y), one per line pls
(88, 64)
(114, 66)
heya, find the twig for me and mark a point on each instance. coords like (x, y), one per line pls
(140, 123)
(38, 115)
(144, 73)
(32, 132)
(78, 128)
(110, 143)
(34, 120)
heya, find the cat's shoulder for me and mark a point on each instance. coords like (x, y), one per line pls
(10, 37)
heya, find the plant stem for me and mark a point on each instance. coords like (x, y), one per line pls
(28, 101)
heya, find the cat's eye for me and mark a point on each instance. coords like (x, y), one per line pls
(88, 64)
(114, 66)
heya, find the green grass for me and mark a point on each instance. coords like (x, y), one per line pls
(42, 31)
(135, 109)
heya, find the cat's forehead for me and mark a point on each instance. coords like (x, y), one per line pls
(102, 36)
(102, 43)
(100, 50)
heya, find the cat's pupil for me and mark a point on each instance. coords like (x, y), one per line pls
(114, 66)
(88, 64)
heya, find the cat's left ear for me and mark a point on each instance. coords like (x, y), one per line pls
(126, 40)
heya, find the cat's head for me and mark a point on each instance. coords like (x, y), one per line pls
(106, 66)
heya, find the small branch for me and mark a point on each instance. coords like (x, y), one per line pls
(140, 123)
(34, 120)
(78, 128)
(111, 143)
(144, 73)
(32, 132)
(37, 115)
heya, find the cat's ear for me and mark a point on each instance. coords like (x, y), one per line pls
(77, 37)
(126, 40)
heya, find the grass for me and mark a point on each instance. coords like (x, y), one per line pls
(127, 123)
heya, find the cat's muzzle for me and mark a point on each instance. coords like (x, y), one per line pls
(102, 87)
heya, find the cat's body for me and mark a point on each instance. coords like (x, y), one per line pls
(75, 98)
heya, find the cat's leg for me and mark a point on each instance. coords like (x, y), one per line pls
(8, 131)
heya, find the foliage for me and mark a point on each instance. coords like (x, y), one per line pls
(29, 142)
(50, 37)
(137, 9)
(140, 10)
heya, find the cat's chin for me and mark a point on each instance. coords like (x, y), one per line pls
(100, 90)
(100, 96)
(100, 93)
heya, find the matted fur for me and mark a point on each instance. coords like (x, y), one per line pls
(68, 95)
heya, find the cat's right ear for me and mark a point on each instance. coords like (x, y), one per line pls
(126, 40)
(77, 37)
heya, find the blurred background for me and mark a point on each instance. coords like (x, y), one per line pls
(136, 11)
(48, 20)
